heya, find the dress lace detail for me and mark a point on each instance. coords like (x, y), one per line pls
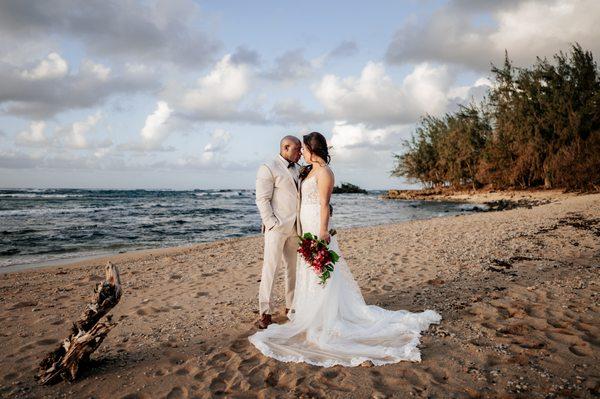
(332, 324)
(310, 193)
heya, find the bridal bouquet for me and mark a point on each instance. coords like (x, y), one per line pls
(318, 256)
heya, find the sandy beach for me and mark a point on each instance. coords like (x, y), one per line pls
(518, 291)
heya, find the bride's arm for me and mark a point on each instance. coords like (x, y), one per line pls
(325, 183)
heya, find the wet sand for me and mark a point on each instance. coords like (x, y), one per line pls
(518, 291)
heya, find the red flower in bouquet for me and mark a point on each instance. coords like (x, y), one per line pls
(318, 256)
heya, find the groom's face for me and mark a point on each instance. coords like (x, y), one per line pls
(291, 151)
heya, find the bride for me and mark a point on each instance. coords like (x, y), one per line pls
(332, 324)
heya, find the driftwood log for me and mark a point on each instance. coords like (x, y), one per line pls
(87, 333)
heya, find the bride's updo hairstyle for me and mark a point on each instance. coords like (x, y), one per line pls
(317, 145)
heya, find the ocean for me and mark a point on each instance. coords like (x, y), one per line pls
(38, 226)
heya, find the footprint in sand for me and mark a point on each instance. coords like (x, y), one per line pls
(247, 365)
(134, 396)
(141, 312)
(199, 376)
(177, 393)
(580, 350)
(162, 309)
(23, 304)
(333, 380)
(176, 360)
(45, 342)
(218, 385)
(220, 357)
(10, 376)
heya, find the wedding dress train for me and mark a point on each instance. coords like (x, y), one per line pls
(332, 324)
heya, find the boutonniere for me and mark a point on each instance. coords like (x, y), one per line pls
(304, 170)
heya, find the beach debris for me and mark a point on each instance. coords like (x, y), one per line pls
(500, 266)
(505, 204)
(87, 333)
(436, 281)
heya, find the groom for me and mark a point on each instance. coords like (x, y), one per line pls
(278, 200)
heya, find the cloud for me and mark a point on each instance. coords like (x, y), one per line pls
(99, 71)
(292, 111)
(219, 141)
(224, 86)
(290, 66)
(35, 136)
(374, 98)
(156, 31)
(63, 161)
(52, 67)
(76, 135)
(350, 137)
(42, 92)
(347, 48)
(212, 156)
(243, 55)
(156, 128)
(473, 34)
(218, 95)
(478, 6)
(363, 150)
(16, 160)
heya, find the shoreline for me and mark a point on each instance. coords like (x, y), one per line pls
(106, 255)
(493, 199)
(124, 256)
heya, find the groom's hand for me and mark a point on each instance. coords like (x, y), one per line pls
(272, 225)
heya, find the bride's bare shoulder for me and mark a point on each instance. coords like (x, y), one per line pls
(325, 174)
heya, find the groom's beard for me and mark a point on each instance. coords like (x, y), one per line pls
(289, 160)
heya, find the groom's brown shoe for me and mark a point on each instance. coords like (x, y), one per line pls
(264, 321)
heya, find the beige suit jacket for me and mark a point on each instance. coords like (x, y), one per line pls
(278, 196)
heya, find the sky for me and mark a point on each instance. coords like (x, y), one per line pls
(182, 94)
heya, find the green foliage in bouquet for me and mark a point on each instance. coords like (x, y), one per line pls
(317, 254)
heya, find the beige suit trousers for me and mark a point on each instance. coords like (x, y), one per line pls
(280, 248)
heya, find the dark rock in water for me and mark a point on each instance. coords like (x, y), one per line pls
(348, 188)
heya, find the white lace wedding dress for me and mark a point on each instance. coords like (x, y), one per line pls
(332, 324)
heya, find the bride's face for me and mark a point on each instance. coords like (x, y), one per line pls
(306, 154)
